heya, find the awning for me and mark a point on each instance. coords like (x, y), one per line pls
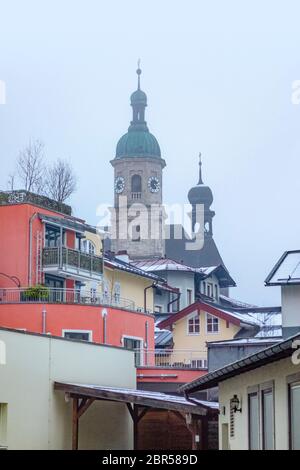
(139, 397)
(67, 223)
(195, 413)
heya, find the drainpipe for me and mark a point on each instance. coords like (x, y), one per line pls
(104, 316)
(61, 248)
(44, 320)
(146, 342)
(154, 284)
(30, 249)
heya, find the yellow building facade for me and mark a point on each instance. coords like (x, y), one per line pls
(123, 285)
(195, 326)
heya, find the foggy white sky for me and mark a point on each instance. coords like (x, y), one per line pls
(218, 76)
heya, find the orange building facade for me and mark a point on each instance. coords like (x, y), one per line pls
(43, 272)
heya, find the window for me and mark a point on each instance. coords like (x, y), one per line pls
(199, 363)
(174, 306)
(78, 242)
(158, 308)
(267, 418)
(194, 324)
(209, 289)
(3, 426)
(216, 292)
(78, 334)
(87, 246)
(93, 292)
(294, 415)
(134, 344)
(53, 237)
(136, 184)
(189, 296)
(56, 286)
(253, 420)
(212, 324)
(117, 292)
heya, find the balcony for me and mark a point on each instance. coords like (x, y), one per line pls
(136, 196)
(172, 358)
(62, 261)
(41, 294)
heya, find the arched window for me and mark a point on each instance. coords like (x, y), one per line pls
(136, 184)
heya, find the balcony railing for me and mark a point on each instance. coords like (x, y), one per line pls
(136, 196)
(169, 358)
(63, 257)
(68, 296)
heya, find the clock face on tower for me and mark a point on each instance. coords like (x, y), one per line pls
(153, 184)
(119, 184)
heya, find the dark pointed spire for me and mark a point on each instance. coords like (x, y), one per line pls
(200, 169)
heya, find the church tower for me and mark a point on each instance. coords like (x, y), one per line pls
(202, 195)
(138, 165)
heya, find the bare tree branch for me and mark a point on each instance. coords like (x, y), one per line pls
(31, 167)
(60, 181)
(11, 182)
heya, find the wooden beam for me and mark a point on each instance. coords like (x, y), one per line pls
(135, 427)
(204, 433)
(84, 405)
(75, 424)
(179, 415)
(130, 409)
(142, 414)
(194, 426)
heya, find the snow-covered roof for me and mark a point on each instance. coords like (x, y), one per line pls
(244, 341)
(168, 264)
(235, 303)
(129, 267)
(162, 264)
(142, 397)
(286, 270)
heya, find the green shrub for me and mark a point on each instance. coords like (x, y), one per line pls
(36, 293)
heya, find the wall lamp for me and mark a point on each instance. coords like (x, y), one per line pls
(235, 404)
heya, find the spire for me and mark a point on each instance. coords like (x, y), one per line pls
(138, 101)
(139, 71)
(200, 169)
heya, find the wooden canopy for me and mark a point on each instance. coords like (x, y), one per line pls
(194, 412)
